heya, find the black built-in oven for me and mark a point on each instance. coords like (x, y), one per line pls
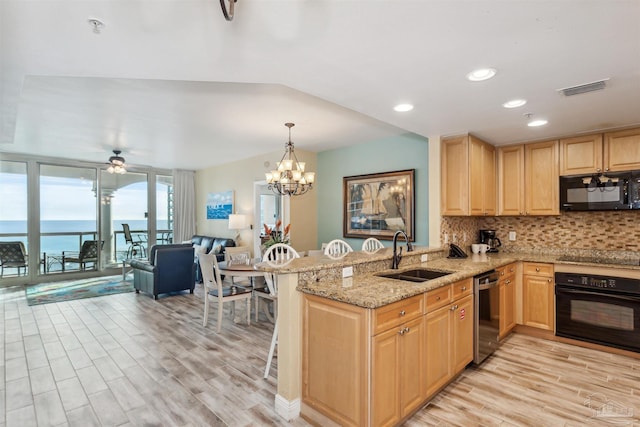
(599, 309)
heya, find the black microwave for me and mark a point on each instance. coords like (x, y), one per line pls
(600, 192)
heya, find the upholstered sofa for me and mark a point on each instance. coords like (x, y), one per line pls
(170, 268)
(208, 244)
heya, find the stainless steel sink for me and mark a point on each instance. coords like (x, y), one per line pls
(415, 275)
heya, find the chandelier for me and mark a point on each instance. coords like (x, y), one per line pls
(116, 163)
(289, 178)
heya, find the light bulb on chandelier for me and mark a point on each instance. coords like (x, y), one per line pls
(116, 163)
(289, 178)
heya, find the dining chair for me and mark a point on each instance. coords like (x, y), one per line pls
(213, 287)
(372, 245)
(277, 255)
(337, 248)
(237, 255)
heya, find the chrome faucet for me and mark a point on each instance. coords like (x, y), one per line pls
(397, 256)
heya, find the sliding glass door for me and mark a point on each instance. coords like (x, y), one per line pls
(13, 219)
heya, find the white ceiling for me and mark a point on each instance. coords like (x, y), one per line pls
(173, 84)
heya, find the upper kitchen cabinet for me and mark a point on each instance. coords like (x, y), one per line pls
(616, 151)
(622, 150)
(468, 176)
(581, 155)
(528, 179)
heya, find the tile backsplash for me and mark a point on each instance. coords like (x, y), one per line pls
(607, 230)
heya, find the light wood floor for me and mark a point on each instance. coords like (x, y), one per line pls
(127, 360)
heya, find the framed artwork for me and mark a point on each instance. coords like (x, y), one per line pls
(378, 205)
(220, 205)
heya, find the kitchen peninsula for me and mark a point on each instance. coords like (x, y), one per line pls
(353, 311)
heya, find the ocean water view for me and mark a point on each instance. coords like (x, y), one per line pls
(57, 244)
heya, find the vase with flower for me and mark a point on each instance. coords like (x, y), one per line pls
(275, 235)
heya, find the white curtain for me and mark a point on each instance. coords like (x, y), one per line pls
(184, 204)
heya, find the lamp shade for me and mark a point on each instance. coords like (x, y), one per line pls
(238, 221)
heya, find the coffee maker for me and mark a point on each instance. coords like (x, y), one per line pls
(488, 237)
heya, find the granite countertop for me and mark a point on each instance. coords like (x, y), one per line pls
(372, 291)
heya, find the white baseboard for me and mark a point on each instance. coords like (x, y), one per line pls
(289, 410)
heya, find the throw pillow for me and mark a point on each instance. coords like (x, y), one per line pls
(216, 249)
(197, 249)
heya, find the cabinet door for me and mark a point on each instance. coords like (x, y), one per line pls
(511, 180)
(489, 179)
(622, 150)
(581, 155)
(385, 377)
(412, 387)
(541, 178)
(507, 305)
(438, 335)
(455, 176)
(476, 177)
(538, 308)
(462, 323)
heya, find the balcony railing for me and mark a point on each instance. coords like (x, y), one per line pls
(55, 243)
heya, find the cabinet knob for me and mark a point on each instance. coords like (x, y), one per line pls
(403, 331)
(502, 273)
(511, 270)
(464, 288)
(537, 269)
(526, 213)
(549, 280)
(606, 169)
(438, 298)
(454, 307)
(521, 213)
(507, 282)
(402, 313)
(598, 170)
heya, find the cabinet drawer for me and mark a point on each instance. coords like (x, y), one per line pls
(506, 270)
(438, 298)
(462, 288)
(396, 313)
(537, 269)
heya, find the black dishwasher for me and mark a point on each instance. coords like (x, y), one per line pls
(486, 330)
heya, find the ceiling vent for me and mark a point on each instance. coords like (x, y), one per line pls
(588, 87)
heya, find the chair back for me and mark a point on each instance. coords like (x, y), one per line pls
(12, 252)
(89, 250)
(337, 248)
(237, 255)
(210, 273)
(277, 255)
(372, 245)
(127, 233)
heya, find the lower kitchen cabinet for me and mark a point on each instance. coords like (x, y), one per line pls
(538, 296)
(449, 338)
(398, 380)
(507, 286)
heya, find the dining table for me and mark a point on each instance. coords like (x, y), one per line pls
(245, 271)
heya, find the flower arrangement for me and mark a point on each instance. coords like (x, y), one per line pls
(275, 235)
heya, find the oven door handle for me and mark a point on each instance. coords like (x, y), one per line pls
(608, 295)
(488, 285)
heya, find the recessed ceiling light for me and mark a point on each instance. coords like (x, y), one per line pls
(403, 108)
(514, 103)
(481, 74)
(536, 123)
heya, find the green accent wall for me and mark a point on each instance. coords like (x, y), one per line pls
(407, 151)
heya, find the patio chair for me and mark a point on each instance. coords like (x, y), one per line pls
(88, 254)
(13, 255)
(135, 246)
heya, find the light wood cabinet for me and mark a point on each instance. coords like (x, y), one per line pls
(507, 286)
(468, 176)
(538, 296)
(335, 363)
(611, 152)
(622, 150)
(528, 179)
(449, 336)
(398, 363)
(581, 155)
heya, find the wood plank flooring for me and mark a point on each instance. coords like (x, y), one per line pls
(127, 360)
